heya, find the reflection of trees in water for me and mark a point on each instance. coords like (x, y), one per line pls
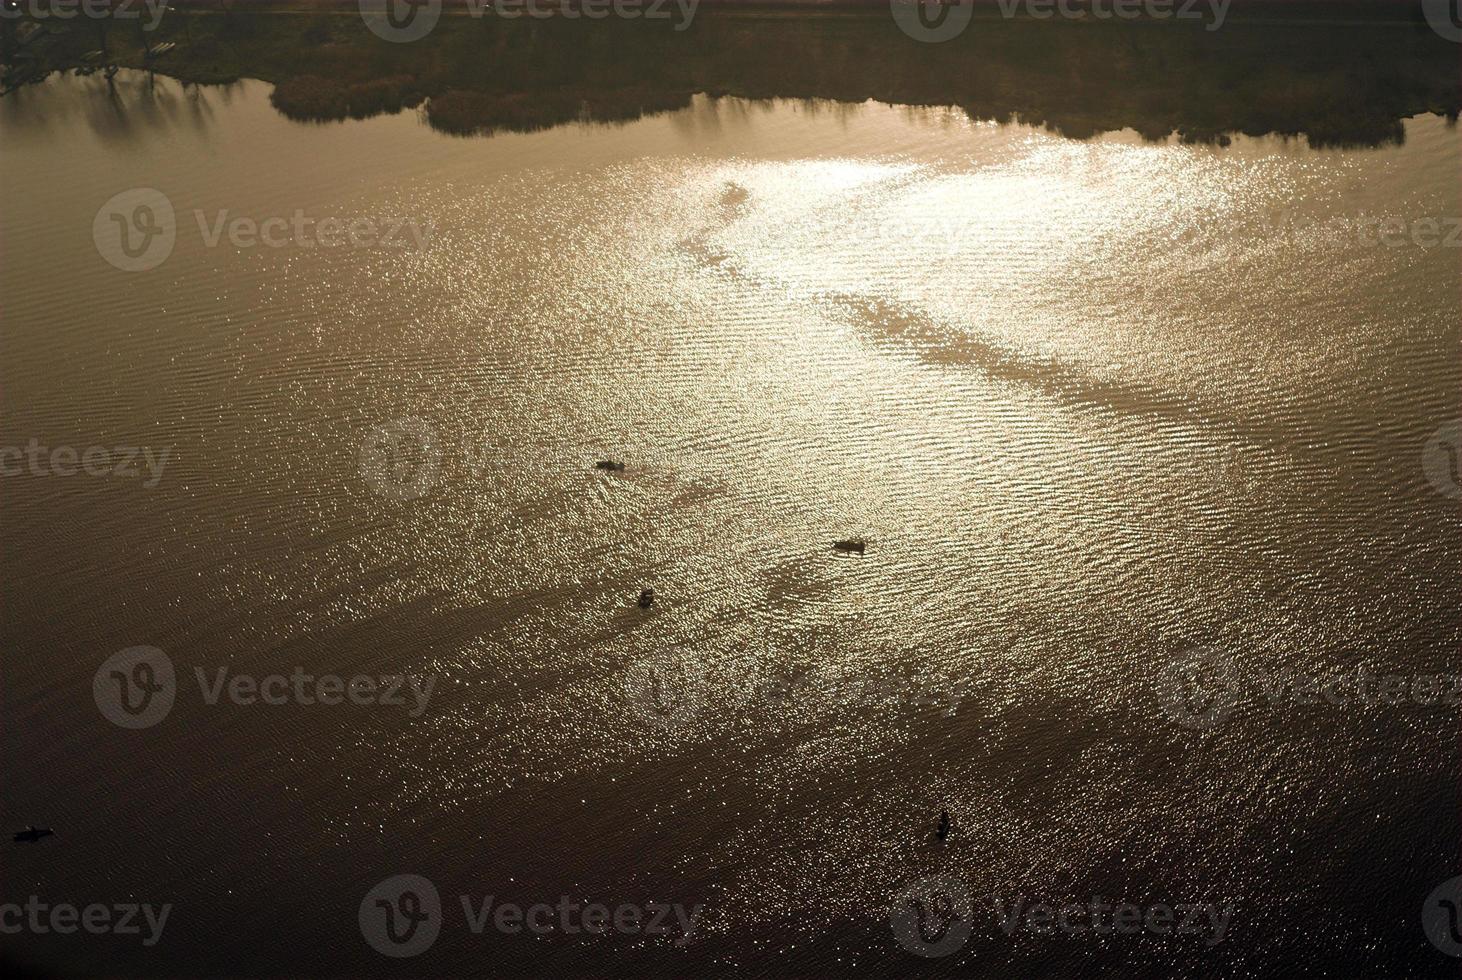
(129, 109)
(1339, 85)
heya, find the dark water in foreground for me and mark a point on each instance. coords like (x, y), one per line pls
(1101, 410)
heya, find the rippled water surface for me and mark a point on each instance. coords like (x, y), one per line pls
(1092, 405)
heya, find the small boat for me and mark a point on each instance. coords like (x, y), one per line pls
(849, 546)
(161, 49)
(32, 834)
(943, 830)
(610, 465)
(647, 598)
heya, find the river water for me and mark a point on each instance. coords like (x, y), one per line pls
(1100, 410)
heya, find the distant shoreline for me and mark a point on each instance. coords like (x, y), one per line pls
(1332, 11)
(1338, 84)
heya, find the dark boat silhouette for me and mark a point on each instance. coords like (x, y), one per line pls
(647, 598)
(610, 465)
(32, 834)
(943, 830)
(849, 546)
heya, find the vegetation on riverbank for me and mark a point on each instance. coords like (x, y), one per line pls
(1336, 84)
